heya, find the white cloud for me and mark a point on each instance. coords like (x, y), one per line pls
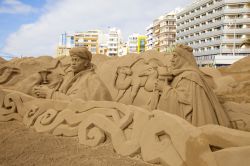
(41, 37)
(15, 7)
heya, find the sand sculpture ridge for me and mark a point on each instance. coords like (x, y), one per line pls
(131, 121)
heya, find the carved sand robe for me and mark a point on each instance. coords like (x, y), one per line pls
(190, 95)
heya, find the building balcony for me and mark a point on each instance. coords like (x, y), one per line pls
(227, 41)
(196, 21)
(166, 26)
(218, 60)
(204, 36)
(222, 51)
(206, 44)
(236, 1)
(237, 31)
(217, 42)
(237, 11)
(237, 21)
(204, 27)
(197, 13)
(207, 52)
(149, 33)
(215, 24)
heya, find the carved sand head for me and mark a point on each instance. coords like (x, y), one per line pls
(124, 70)
(80, 59)
(152, 66)
(177, 61)
(183, 56)
(155, 63)
(148, 71)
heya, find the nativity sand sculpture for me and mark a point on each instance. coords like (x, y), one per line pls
(135, 121)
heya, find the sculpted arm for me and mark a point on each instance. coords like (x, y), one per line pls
(45, 92)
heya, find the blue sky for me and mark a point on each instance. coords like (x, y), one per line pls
(12, 19)
(32, 27)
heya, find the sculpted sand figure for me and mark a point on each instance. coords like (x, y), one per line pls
(82, 82)
(125, 78)
(6, 73)
(189, 94)
(122, 80)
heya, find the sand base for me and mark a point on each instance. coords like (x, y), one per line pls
(22, 146)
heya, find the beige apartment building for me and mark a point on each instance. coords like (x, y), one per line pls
(156, 34)
(216, 30)
(164, 32)
(88, 39)
(94, 40)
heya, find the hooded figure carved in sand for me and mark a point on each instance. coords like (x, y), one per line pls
(189, 94)
(82, 82)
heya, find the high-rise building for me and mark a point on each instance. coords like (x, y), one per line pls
(103, 49)
(123, 49)
(215, 29)
(167, 34)
(94, 40)
(89, 39)
(136, 43)
(114, 42)
(141, 43)
(156, 33)
(66, 42)
(149, 34)
(132, 43)
(164, 31)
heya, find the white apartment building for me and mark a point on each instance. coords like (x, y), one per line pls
(123, 50)
(66, 42)
(215, 29)
(132, 43)
(136, 43)
(114, 42)
(149, 34)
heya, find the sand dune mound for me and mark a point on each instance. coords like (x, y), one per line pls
(242, 65)
(2, 60)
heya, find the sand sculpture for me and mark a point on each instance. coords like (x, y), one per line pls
(131, 121)
(81, 82)
(236, 82)
(189, 94)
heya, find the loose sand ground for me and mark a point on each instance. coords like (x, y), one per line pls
(21, 146)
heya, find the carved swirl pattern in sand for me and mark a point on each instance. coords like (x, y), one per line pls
(157, 136)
